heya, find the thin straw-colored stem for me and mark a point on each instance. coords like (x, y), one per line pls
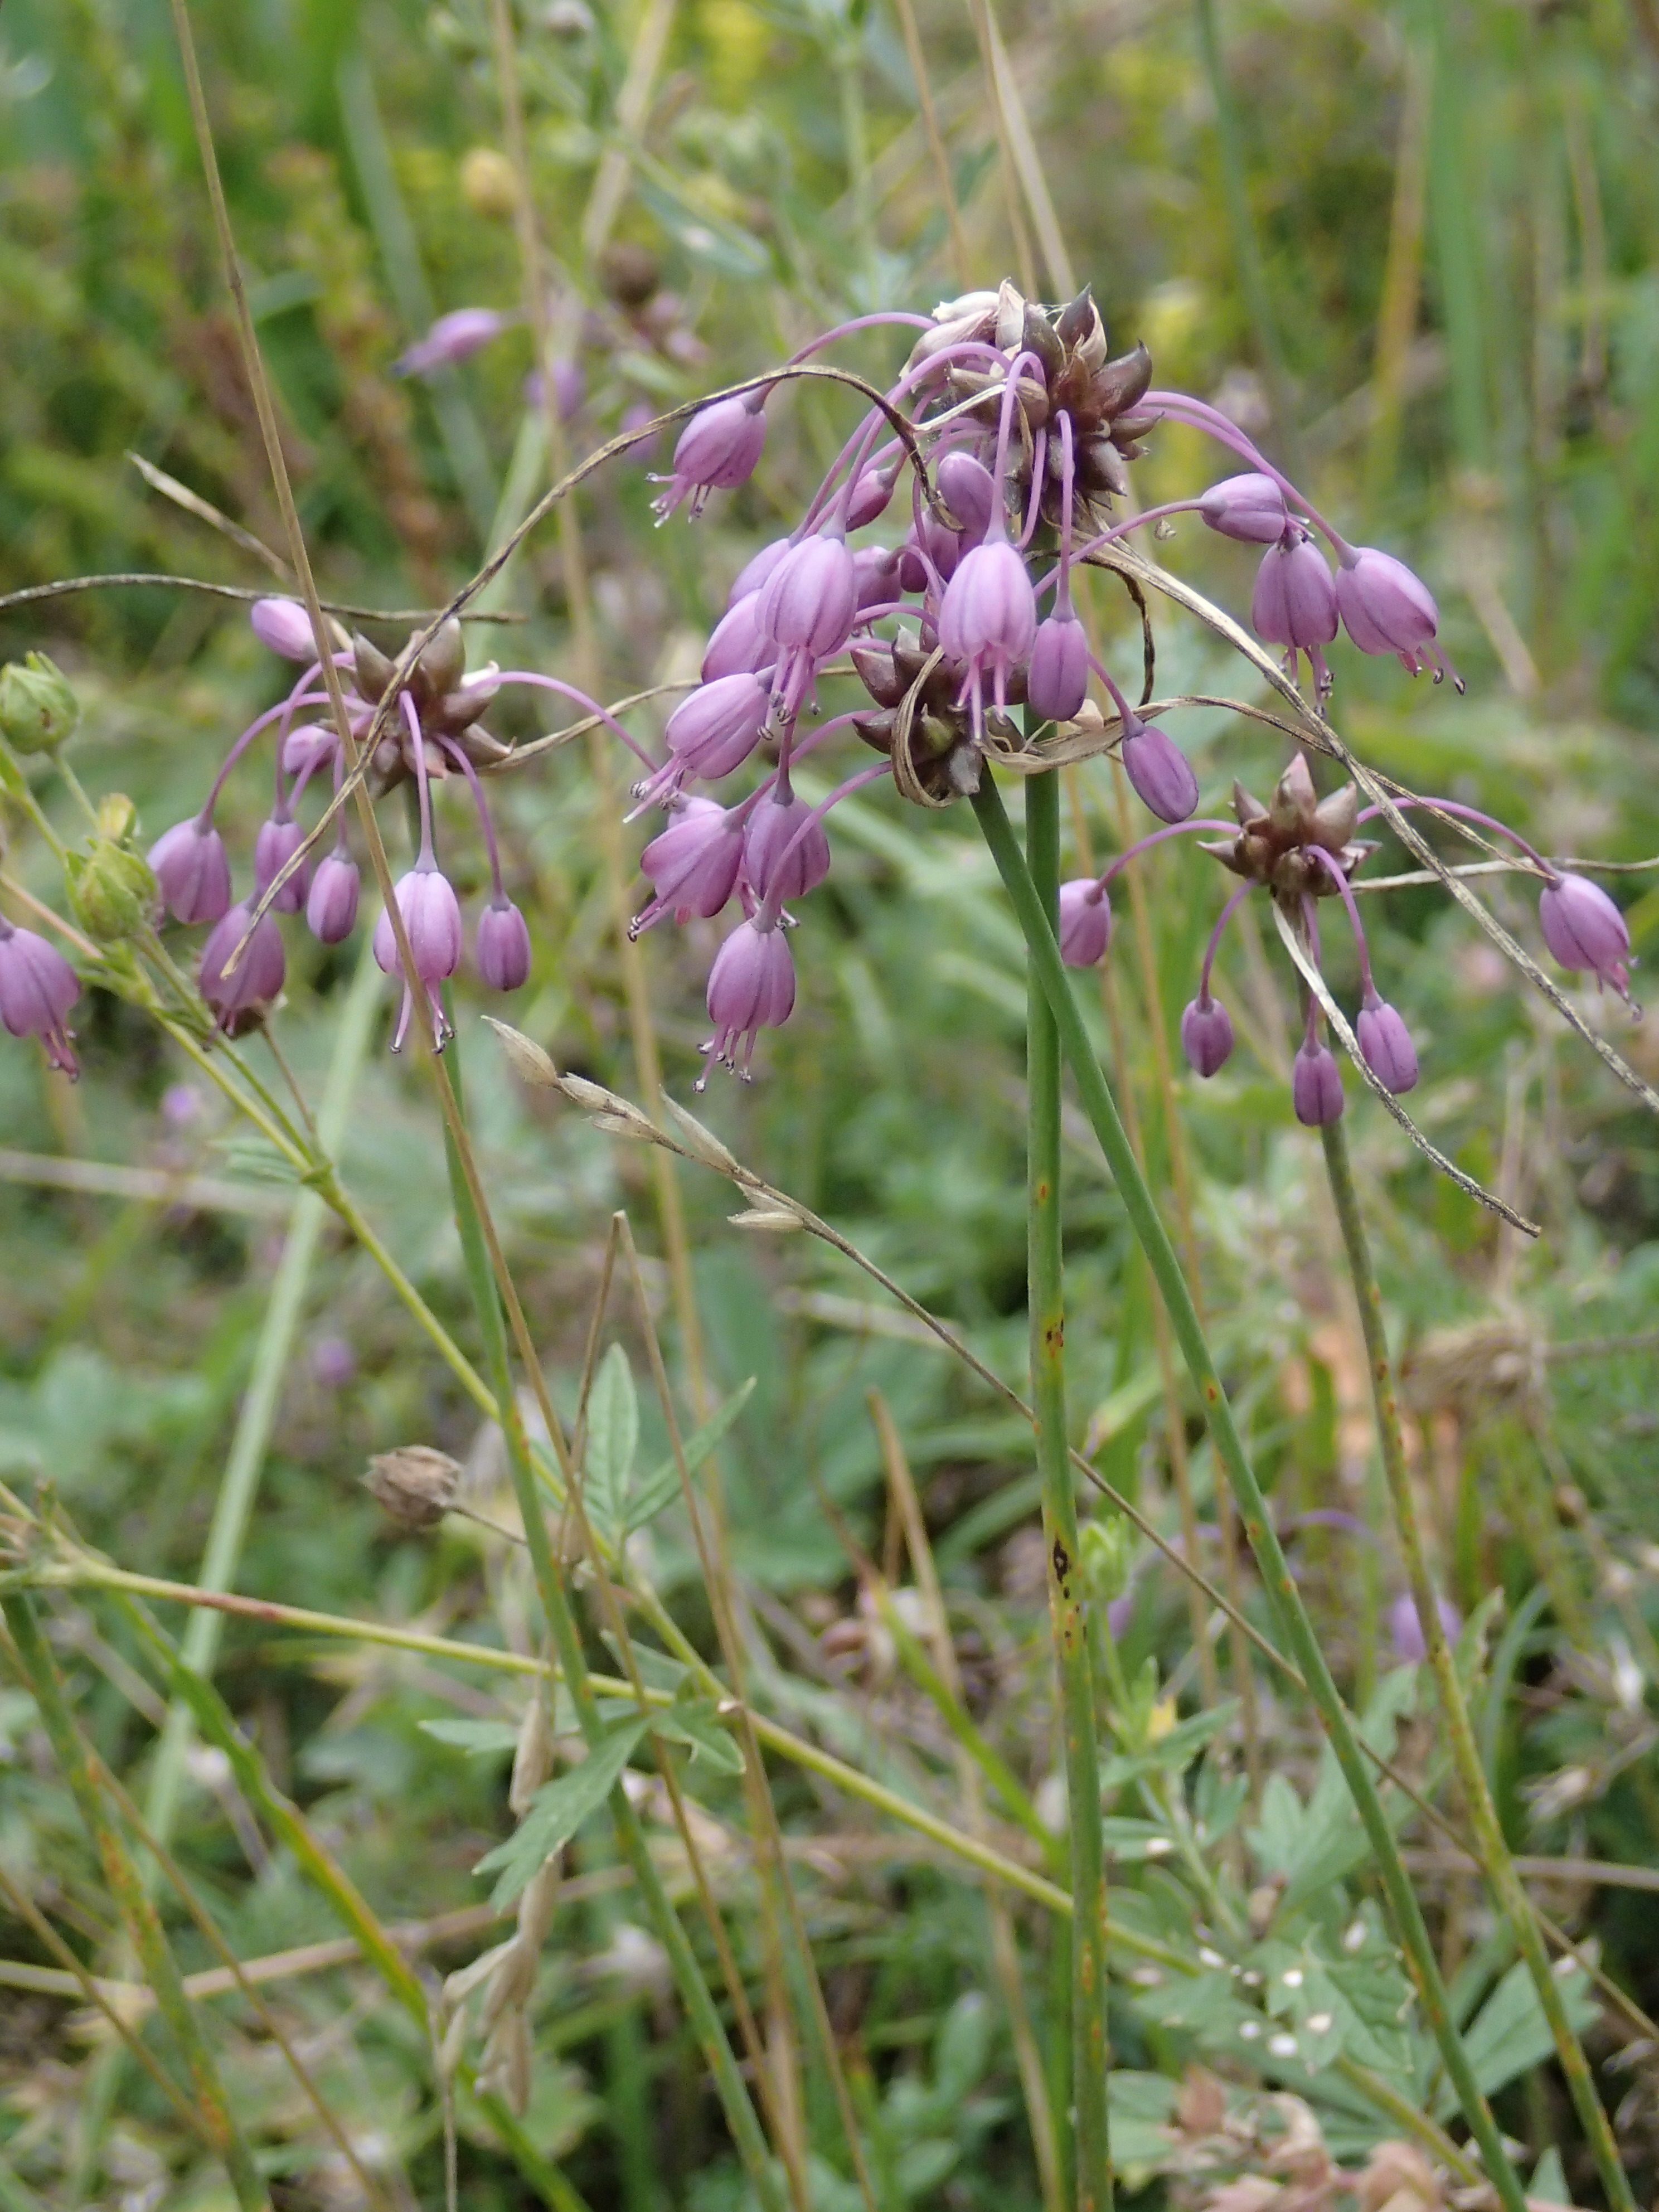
(1508, 1893)
(1068, 1607)
(1290, 1614)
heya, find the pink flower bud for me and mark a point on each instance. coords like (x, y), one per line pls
(755, 572)
(968, 489)
(808, 602)
(717, 449)
(285, 627)
(718, 726)
(1248, 507)
(1206, 1035)
(502, 947)
(1406, 1627)
(770, 866)
(1086, 921)
(1295, 599)
(692, 864)
(1585, 930)
(1316, 1086)
(739, 646)
(870, 497)
(875, 575)
(1057, 680)
(273, 849)
(306, 748)
(432, 919)
(987, 620)
(1160, 773)
(452, 338)
(259, 975)
(332, 902)
(569, 389)
(1387, 1045)
(190, 870)
(1387, 609)
(752, 986)
(38, 987)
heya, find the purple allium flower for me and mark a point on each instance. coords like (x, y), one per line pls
(875, 576)
(738, 645)
(1057, 678)
(502, 947)
(1585, 930)
(717, 449)
(807, 607)
(1249, 507)
(278, 841)
(1387, 609)
(432, 918)
(693, 864)
(987, 620)
(38, 987)
(306, 748)
(332, 902)
(1406, 1629)
(1316, 1086)
(755, 572)
(1086, 921)
(452, 338)
(569, 388)
(718, 726)
(968, 489)
(1160, 773)
(285, 627)
(259, 975)
(333, 1361)
(1387, 1044)
(752, 986)
(1294, 604)
(870, 496)
(191, 872)
(1206, 1035)
(774, 826)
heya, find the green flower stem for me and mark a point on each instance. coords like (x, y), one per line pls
(1068, 1606)
(695, 1992)
(1290, 1614)
(1507, 1893)
(234, 1504)
(143, 1922)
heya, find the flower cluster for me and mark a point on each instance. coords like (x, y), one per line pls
(1008, 435)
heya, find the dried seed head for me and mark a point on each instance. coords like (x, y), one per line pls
(417, 1483)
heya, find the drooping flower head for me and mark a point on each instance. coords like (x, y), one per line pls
(38, 987)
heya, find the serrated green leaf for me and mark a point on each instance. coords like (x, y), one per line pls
(475, 1738)
(694, 1723)
(662, 1485)
(613, 1437)
(1510, 2032)
(559, 1808)
(1173, 1751)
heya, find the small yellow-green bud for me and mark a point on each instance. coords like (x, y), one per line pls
(38, 710)
(1107, 1550)
(111, 887)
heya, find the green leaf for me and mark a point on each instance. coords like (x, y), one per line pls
(475, 1738)
(694, 1722)
(662, 1485)
(613, 1437)
(1510, 2032)
(1174, 1750)
(559, 1808)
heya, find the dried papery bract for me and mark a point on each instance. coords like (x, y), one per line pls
(417, 1483)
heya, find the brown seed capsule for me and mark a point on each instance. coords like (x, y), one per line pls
(415, 1483)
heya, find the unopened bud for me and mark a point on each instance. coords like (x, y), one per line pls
(38, 710)
(489, 185)
(1107, 1548)
(111, 887)
(415, 1483)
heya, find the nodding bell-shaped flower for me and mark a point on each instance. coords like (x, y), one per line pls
(257, 976)
(1249, 507)
(306, 748)
(1160, 772)
(806, 608)
(432, 918)
(38, 987)
(285, 627)
(191, 870)
(717, 449)
(752, 986)
(870, 496)
(1585, 930)
(755, 572)
(692, 864)
(988, 621)
(1387, 1045)
(1316, 1086)
(968, 489)
(1387, 609)
(1086, 921)
(278, 841)
(502, 947)
(716, 729)
(332, 902)
(738, 645)
(1294, 604)
(875, 575)
(452, 338)
(1206, 1035)
(785, 852)
(1057, 677)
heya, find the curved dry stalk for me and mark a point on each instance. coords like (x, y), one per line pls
(64, 587)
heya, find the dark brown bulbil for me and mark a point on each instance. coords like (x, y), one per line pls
(443, 709)
(944, 761)
(1276, 845)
